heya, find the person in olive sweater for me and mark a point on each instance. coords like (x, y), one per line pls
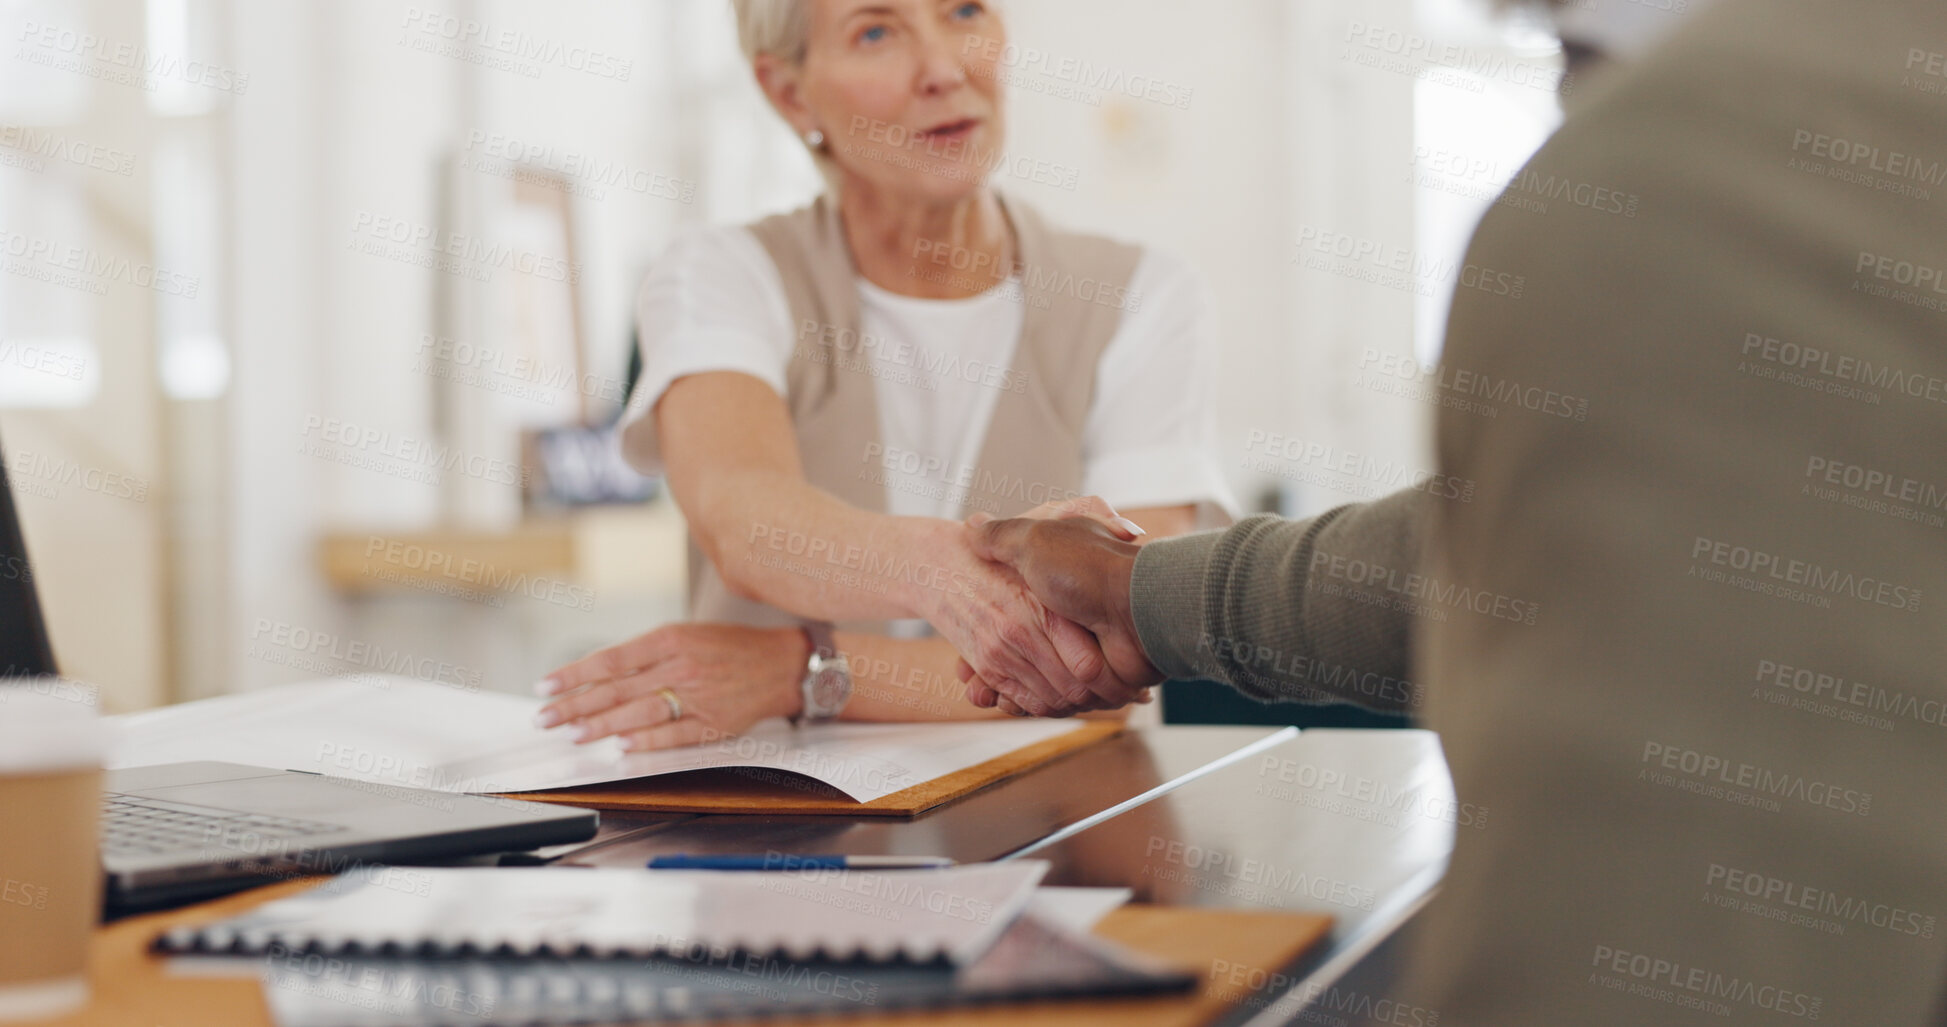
(1684, 640)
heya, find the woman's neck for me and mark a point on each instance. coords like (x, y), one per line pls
(935, 251)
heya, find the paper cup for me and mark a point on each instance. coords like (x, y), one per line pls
(51, 748)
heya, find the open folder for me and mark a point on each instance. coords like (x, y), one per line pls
(398, 731)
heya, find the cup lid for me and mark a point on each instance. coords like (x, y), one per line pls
(49, 724)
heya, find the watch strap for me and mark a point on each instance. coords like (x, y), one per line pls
(824, 659)
(822, 641)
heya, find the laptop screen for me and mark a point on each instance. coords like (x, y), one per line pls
(24, 650)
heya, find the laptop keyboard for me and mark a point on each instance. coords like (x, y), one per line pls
(132, 825)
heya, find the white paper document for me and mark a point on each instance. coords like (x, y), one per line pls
(880, 916)
(415, 734)
(1077, 909)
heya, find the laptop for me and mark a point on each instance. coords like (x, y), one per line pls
(179, 832)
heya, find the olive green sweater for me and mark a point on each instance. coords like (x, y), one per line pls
(1289, 610)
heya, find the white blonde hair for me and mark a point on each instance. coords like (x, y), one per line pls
(781, 28)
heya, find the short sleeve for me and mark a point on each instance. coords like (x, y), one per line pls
(712, 302)
(1151, 431)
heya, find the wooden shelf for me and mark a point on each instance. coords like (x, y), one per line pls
(602, 549)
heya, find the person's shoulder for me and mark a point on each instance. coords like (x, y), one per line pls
(802, 214)
(1165, 287)
(1163, 270)
(712, 253)
(709, 241)
(1738, 67)
(1060, 234)
(1149, 271)
(740, 240)
(1714, 128)
(719, 273)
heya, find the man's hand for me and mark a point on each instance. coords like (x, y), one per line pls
(1080, 570)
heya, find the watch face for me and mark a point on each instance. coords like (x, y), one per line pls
(829, 690)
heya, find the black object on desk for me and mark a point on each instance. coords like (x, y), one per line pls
(24, 648)
(1208, 702)
(178, 832)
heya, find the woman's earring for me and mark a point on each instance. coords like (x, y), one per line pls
(815, 139)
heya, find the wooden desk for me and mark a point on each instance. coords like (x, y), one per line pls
(1248, 825)
(1353, 824)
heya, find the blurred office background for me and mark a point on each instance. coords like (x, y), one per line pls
(298, 296)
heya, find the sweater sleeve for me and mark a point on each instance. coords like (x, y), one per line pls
(1284, 610)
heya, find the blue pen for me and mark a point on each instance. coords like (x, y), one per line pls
(782, 861)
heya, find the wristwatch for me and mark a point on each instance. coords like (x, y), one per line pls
(827, 681)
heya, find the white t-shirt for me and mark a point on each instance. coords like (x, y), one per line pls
(714, 302)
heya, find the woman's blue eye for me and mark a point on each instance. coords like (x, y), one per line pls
(873, 34)
(966, 10)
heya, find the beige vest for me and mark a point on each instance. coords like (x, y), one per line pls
(1074, 288)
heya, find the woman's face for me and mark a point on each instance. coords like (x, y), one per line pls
(906, 92)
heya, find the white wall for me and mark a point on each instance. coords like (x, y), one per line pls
(281, 169)
(1278, 135)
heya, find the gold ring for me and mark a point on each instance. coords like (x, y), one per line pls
(675, 704)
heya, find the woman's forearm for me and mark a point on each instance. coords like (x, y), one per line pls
(777, 539)
(905, 679)
(732, 456)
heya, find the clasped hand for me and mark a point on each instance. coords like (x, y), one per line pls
(1076, 560)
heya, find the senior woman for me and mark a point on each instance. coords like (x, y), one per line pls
(829, 392)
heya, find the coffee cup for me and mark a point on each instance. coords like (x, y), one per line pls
(51, 747)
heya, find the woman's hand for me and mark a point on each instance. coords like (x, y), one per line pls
(1095, 508)
(725, 677)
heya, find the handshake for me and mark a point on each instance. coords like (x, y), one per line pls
(1049, 631)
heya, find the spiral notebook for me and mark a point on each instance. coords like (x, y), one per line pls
(1033, 960)
(948, 916)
